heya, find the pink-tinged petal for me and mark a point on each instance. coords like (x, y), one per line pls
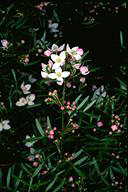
(55, 66)
(76, 66)
(77, 57)
(80, 51)
(44, 74)
(54, 57)
(61, 47)
(54, 47)
(58, 70)
(47, 53)
(65, 74)
(62, 55)
(52, 132)
(43, 66)
(52, 76)
(50, 63)
(75, 48)
(68, 48)
(62, 63)
(84, 70)
(22, 85)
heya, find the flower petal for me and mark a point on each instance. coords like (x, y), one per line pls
(44, 74)
(55, 66)
(68, 48)
(54, 47)
(61, 47)
(58, 70)
(54, 57)
(62, 55)
(65, 74)
(52, 76)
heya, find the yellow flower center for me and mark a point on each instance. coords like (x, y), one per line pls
(59, 74)
(58, 60)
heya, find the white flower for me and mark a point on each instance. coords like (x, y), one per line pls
(53, 26)
(59, 75)
(22, 102)
(4, 43)
(25, 88)
(55, 48)
(75, 52)
(46, 68)
(58, 59)
(30, 98)
(30, 143)
(4, 125)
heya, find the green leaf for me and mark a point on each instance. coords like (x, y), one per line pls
(78, 153)
(90, 105)
(39, 127)
(0, 176)
(122, 84)
(51, 184)
(30, 184)
(60, 185)
(82, 103)
(38, 169)
(8, 178)
(49, 123)
(18, 180)
(96, 166)
(81, 174)
(77, 99)
(14, 75)
(80, 161)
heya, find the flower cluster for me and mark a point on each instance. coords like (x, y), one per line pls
(28, 99)
(60, 60)
(116, 125)
(69, 106)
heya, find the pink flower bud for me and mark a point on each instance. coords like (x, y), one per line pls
(47, 53)
(52, 132)
(54, 128)
(84, 70)
(82, 79)
(80, 51)
(4, 43)
(99, 124)
(62, 108)
(114, 127)
(51, 136)
(35, 164)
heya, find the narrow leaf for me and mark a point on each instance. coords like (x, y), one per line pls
(82, 103)
(39, 127)
(90, 105)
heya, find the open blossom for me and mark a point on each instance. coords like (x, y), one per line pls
(25, 88)
(75, 52)
(59, 75)
(53, 26)
(22, 102)
(114, 127)
(47, 53)
(58, 59)
(4, 125)
(100, 124)
(84, 70)
(46, 68)
(30, 98)
(30, 143)
(4, 43)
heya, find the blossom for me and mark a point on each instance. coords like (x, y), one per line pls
(30, 143)
(30, 98)
(114, 127)
(75, 52)
(100, 124)
(84, 70)
(25, 88)
(55, 48)
(59, 75)
(4, 43)
(53, 26)
(22, 102)
(82, 79)
(47, 53)
(4, 125)
(46, 68)
(58, 59)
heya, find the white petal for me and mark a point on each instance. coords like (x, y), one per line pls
(61, 47)
(27, 86)
(54, 57)
(5, 121)
(65, 74)
(1, 127)
(58, 70)
(52, 76)
(75, 48)
(54, 47)
(30, 103)
(22, 85)
(68, 48)
(55, 66)
(60, 79)
(6, 127)
(77, 57)
(59, 82)
(44, 74)
(62, 55)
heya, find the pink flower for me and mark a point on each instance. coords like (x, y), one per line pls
(62, 108)
(80, 51)
(35, 164)
(52, 132)
(84, 70)
(47, 53)
(44, 172)
(114, 127)
(99, 124)
(51, 136)
(82, 79)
